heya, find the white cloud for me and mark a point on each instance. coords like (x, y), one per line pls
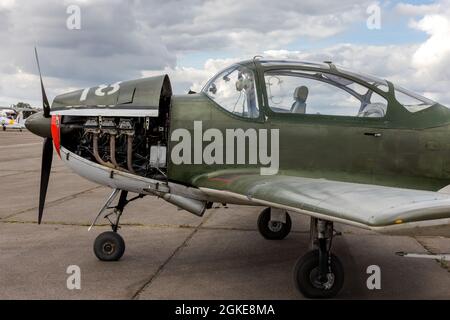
(392, 62)
(422, 67)
(120, 39)
(253, 25)
(7, 4)
(184, 79)
(110, 46)
(417, 10)
(436, 49)
(431, 58)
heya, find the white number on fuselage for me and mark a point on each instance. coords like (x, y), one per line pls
(100, 91)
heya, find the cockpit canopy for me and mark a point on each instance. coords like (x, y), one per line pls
(307, 88)
(234, 90)
(411, 101)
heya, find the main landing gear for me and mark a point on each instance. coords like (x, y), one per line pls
(110, 246)
(319, 273)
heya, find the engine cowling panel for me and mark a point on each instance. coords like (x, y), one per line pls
(123, 126)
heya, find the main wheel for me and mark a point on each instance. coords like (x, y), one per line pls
(307, 279)
(273, 230)
(109, 246)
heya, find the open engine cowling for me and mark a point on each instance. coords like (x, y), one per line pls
(124, 125)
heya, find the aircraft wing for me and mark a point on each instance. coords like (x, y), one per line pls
(382, 209)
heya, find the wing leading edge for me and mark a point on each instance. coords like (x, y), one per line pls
(382, 209)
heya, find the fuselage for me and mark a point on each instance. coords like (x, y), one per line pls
(401, 148)
(386, 153)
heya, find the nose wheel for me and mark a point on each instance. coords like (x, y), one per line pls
(274, 229)
(109, 246)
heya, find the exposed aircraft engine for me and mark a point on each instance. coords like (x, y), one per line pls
(124, 126)
(136, 145)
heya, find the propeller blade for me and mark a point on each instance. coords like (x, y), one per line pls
(45, 103)
(47, 157)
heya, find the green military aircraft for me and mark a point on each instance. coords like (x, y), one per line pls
(290, 136)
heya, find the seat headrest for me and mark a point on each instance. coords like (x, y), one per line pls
(301, 93)
(374, 110)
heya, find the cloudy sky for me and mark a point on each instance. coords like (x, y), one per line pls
(191, 40)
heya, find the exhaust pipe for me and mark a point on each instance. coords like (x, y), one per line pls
(112, 149)
(96, 154)
(196, 207)
(130, 153)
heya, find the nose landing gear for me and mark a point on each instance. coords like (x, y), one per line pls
(110, 246)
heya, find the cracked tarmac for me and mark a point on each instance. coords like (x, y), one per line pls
(172, 254)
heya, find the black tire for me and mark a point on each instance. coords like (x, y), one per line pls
(305, 276)
(273, 230)
(109, 246)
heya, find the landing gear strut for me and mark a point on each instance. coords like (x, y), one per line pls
(319, 273)
(110, 246)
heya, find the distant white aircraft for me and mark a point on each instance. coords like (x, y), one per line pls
(11, 119)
